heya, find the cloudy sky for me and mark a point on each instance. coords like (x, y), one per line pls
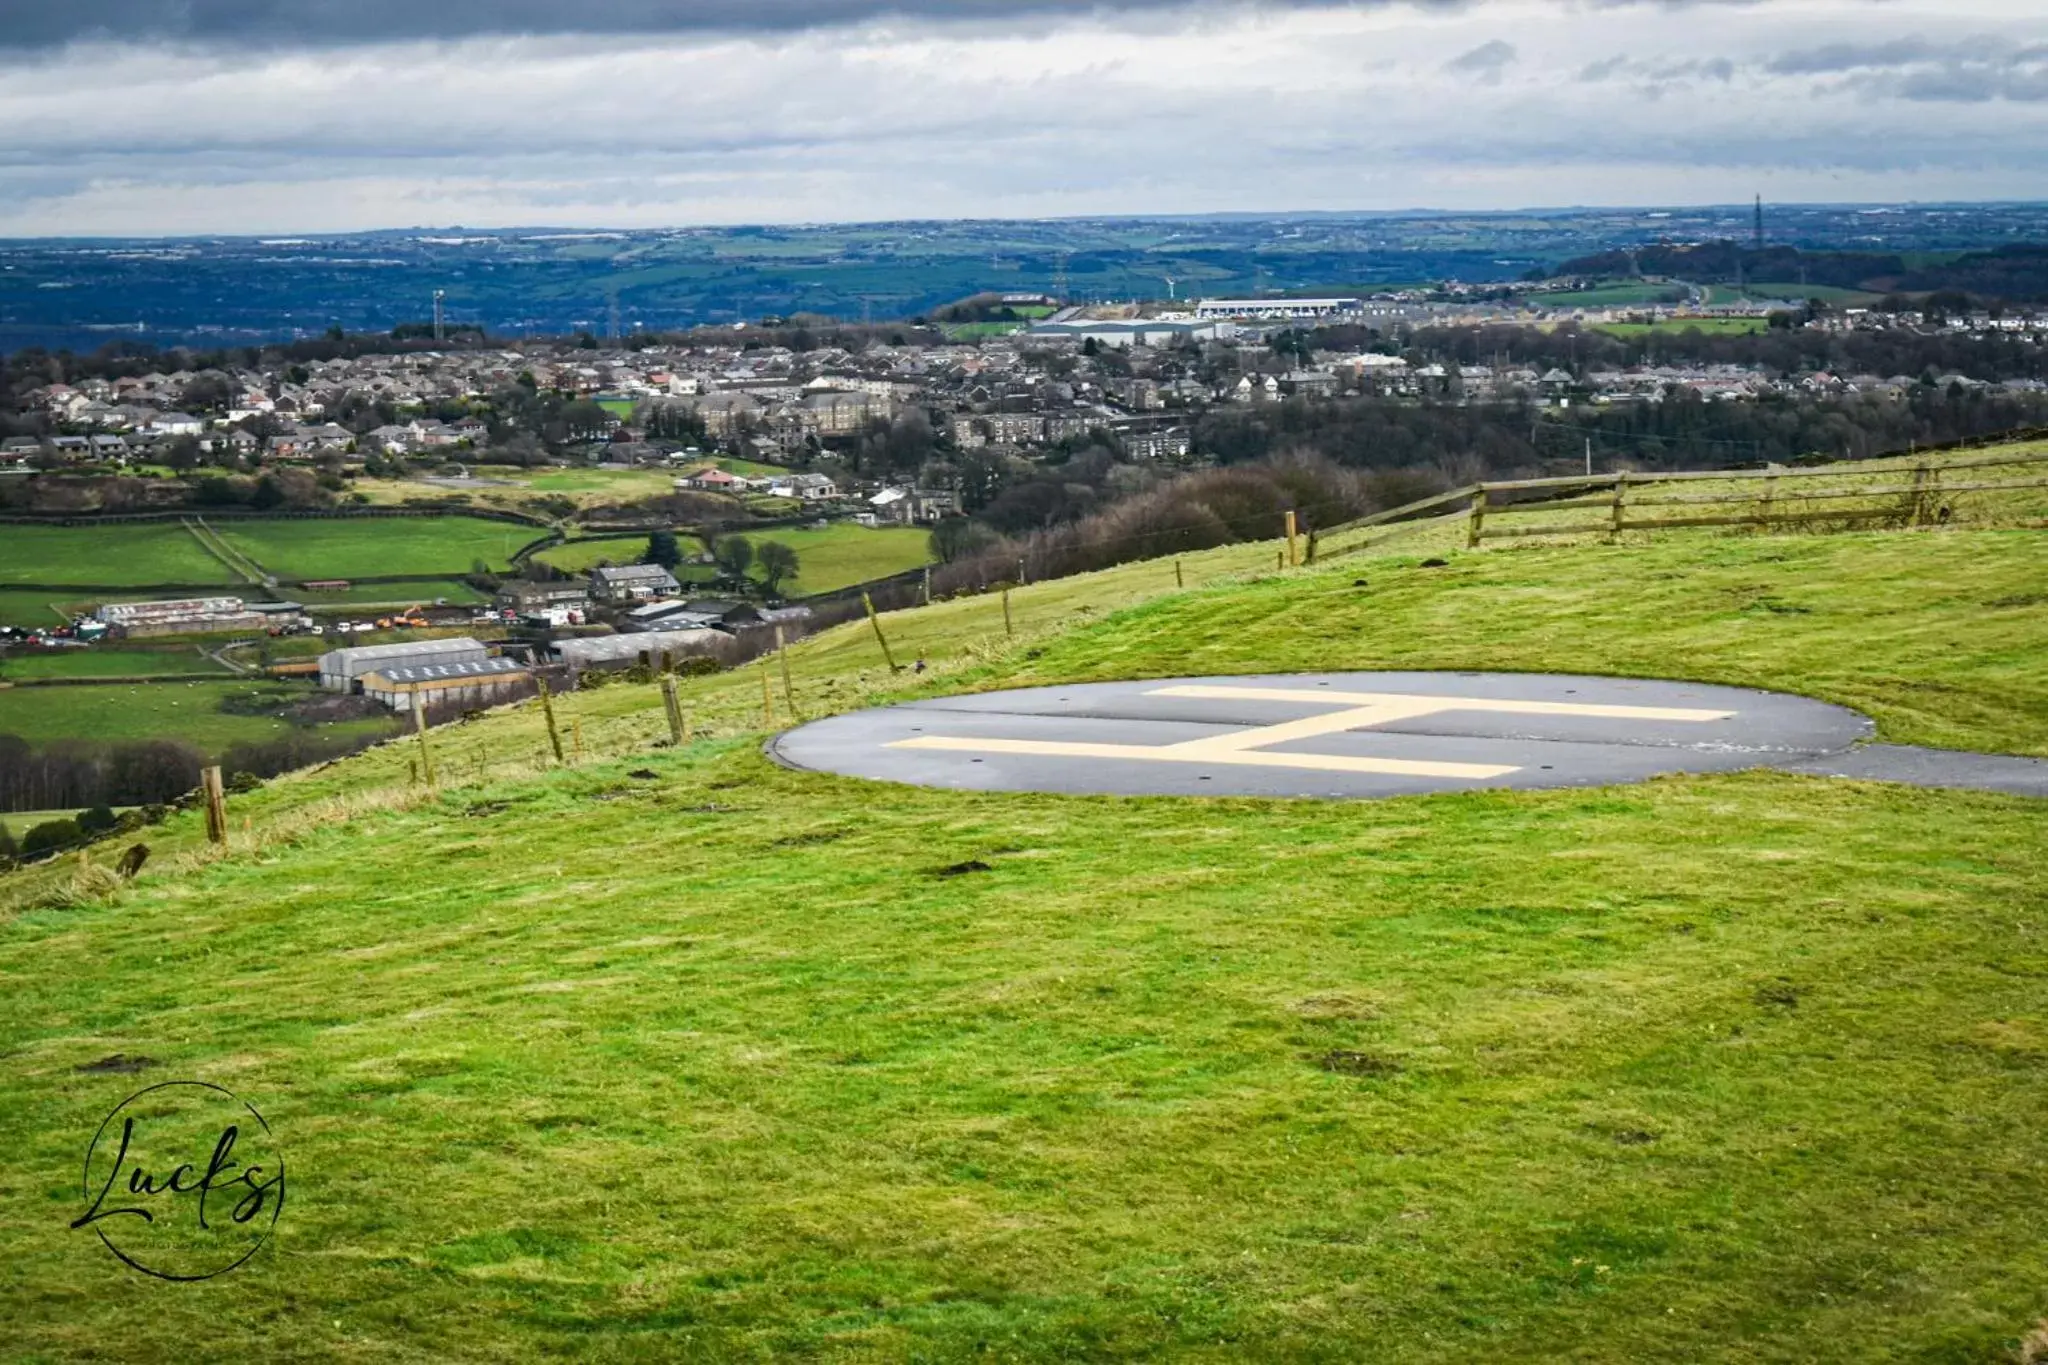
(216, 116)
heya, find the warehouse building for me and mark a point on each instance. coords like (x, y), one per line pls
(342, 670)
(623, 651)
(191, 615)
(1274, 308)
(482, 682)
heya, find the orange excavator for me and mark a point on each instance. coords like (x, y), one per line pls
(409, 619)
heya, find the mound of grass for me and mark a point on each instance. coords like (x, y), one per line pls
(682, 1051)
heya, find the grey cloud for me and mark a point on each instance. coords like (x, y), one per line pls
(1486, 60)
(50, 23)
(1971, 70)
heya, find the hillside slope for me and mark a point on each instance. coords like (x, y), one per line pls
(679, 1053)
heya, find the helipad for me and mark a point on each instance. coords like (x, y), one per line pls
(1324, 735)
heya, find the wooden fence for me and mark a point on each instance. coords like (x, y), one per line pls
(1783, 496)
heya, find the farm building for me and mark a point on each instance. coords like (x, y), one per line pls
(477, 683)
(341, 670)
(632, 583)
(623, 651)
(531, 599)
(134, 619)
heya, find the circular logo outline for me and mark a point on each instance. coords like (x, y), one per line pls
(85, 1183)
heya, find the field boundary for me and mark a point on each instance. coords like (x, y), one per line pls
(1919, 499)
(275, 514)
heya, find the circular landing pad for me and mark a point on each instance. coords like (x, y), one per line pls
(1323, 735)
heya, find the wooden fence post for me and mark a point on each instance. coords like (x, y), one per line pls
(1311, 556)
(927, 585)
(419, 727)
(1023, 573)
(788, 688)
(547, 709)
(1616, 513)
(1919, 513)
(1475, 526)
(671, 704)
(1178, 581)
(767, 699)
(880, 638)
(1008, 629)
(216, 805)
(1293, 557)
(1769, 500)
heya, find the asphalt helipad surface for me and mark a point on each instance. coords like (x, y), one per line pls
(1326, 735)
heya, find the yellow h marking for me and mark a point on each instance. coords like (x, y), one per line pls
(1358, 710)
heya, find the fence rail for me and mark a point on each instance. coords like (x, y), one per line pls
(1917, 497)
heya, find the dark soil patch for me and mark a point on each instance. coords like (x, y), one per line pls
(118, 1063)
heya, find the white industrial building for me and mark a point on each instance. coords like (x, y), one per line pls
(477, 683)
(342, 670)
(1142, 332)
(610, 651)
(1274, 308)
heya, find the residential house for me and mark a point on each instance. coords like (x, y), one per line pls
(632, 583)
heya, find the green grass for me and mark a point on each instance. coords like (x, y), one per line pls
(1612, 296)
(400, 594)
(1678, 326)
(21, 822)
(1793, 292)
(105, 661)
(129, 554)
(354, 548)
(619, 407)
(827, 558)
(24, 607)
(613, 483)
(581, 556)
(844, 553)
(184, 711)
(681, 1053)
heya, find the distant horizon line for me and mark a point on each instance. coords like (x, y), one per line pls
(283, 236)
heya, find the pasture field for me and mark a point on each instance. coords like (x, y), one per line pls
(120, 554)
(581, 556)
(26, 607)
(105, 661)
(615, 485)
(844, 553)
(1725, 327)
(828, 557)
(1793, 292)
(360, 547)
(1726, 1068)
(189, 711)
(425, 591)
(1612, 296)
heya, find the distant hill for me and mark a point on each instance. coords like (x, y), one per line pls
(2018, 273)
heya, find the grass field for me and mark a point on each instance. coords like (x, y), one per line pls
(841, 554)
(104, 661)
(619, 485)
(427, 591)
(1612, 296)
(1707, 326)
(23, 607)
(827, 558)
(682, 1053)
(188, 711)
(130, 554)
(343, 548)
(1793, 292)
